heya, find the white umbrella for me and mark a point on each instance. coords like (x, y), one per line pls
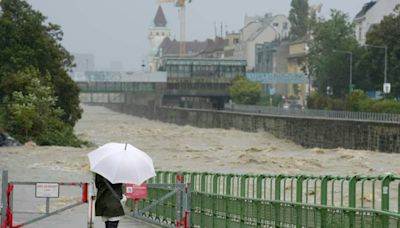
(121, 163)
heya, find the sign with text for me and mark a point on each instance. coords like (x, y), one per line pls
(136, 191)
(47, 190)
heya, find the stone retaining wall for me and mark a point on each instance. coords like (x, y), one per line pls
(308, 132)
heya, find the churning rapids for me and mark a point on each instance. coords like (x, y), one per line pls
(186, 148)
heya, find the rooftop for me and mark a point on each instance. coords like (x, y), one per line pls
(366, 8)
(159, 19)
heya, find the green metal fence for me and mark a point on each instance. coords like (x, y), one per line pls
(233, 200)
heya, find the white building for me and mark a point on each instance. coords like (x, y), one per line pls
(157, 33)
(258, 30)
(371, 14)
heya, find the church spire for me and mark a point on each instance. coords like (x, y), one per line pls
(160, 20)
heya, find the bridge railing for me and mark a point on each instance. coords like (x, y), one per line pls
(291, 200)
(312, 113)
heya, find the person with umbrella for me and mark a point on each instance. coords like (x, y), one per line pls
(114, 165)
(108, 201)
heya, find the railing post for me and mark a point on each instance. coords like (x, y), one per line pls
(215, 183)
(243, 195)
(4, 187)
(386, 199)
(228, 184)
(260, 178)
(278, 180)
(179, 195)
(299, 199)
(352, 199)
(324, 199)
(215, 191)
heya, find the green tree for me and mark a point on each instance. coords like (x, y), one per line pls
(32, 113)
(299, 18)
(244, 91)
(386, 33)
(27, 40)
(325, 66)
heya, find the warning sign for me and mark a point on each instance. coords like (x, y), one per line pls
(47, 190)
(136, 191)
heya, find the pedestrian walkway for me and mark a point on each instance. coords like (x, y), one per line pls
(78, 218)
(131, 222)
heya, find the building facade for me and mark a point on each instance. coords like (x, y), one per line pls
(231, 43)
(258, 30)
(371, 14)
(296, 65)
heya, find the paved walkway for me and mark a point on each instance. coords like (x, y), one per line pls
(77, 218)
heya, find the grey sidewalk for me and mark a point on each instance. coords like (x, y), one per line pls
(77, 218)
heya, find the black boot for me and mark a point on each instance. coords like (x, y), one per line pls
(110, 224)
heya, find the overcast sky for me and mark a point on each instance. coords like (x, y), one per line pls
(116, 30)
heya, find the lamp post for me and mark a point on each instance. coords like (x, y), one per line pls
(386, 58)
(351, 67)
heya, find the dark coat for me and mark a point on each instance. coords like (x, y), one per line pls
(107, 204)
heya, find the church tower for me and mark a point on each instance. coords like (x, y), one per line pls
(159, 31)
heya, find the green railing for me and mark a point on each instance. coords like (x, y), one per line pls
(233, 200)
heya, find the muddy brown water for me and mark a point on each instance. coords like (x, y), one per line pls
(181, 148)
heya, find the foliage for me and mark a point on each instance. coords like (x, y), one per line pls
(317, 101)
(357, 101)
(28, 41)
(386, 33)
(296, 89)
(325, 66)
(274, 100)
(298, 17)
(32, 113)
(243, 91)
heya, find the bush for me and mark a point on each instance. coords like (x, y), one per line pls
(58, 136)
(385, 106)
(31, 112)
(244, 91)
(357, 101)
(316, 101)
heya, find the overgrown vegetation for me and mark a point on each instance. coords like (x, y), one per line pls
(357, 101)
(39, 101)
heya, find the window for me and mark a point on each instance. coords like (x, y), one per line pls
(275, 24)
(158, 34)
(162, 33)
(285, 25)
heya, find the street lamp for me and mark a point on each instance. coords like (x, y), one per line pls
(351, 67)
(386, 55)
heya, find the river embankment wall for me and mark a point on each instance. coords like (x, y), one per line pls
(307, 132)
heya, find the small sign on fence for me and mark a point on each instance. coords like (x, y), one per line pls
(47, 190)
(136, 191)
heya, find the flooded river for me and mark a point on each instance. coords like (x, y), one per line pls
(178, 148)
(186, 148)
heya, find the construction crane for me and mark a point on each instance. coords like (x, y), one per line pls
(181, 4)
